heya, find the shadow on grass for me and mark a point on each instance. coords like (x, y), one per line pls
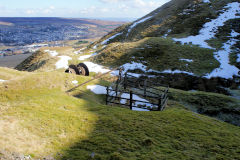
(172, 134)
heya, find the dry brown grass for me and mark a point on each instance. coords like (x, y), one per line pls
(10, 74)
(15, 138)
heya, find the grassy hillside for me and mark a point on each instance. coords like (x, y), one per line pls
(159, 54)
(39, 119)
(43, 61)
(216, 105)
(178, 18)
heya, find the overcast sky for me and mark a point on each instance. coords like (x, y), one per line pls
(78, 8)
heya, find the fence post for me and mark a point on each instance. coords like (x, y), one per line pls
(125, 81)
(116, 89)
(107, 96)
(145, 88)
(131, 101)
(159, 104)
(120, 74)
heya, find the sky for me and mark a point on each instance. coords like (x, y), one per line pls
(78, 8)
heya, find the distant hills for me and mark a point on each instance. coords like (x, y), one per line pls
(20, 20)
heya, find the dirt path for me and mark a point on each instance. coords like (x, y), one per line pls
(13, 61)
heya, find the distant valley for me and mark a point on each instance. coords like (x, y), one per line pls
(23, 31)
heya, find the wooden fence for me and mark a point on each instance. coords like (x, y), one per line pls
(155, 99)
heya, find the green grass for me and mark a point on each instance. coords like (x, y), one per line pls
(81, 42)
(216, 105)
(52, 123)
(159, 54)
(6, 73)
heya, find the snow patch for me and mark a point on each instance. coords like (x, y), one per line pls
(206, 1)
(133, 66)
(95, 47)
(75, 82)
(225, 70)
(63, 62)
(140, 66)
(165, 35)
(114, 36)
(135, 75)
(138, 22)
(96, 68)
(177, 71)
(52, 53)
(1, 80)
(187, 60)
(139, 109)
(234, 34)
(97, 89)
(238, 59)
(79, 51)
(210, 28)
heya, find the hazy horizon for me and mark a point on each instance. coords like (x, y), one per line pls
(94, 18)
(130, 9)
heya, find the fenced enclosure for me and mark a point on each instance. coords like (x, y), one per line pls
(137, 93)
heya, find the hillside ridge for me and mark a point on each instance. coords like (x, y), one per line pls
(191, 26)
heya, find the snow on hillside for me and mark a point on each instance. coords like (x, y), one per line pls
(63, 62)
(114, 36)
(177, 71)
(238, 59)
(81, 58)
(140, 66)
(79, 51)
(225, 70)
(186, 60)
(93, 67)
(96, 68)
(137, 22)
(231, 11)
(210, 28)
(52, 53)
(97, 89)
(206, 1)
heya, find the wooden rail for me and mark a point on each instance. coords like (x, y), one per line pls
(126, 85)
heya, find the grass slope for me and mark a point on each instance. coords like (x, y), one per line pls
(46, 122)
(159, 54)
(216, 105)
(42, 61)
(178, 18)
